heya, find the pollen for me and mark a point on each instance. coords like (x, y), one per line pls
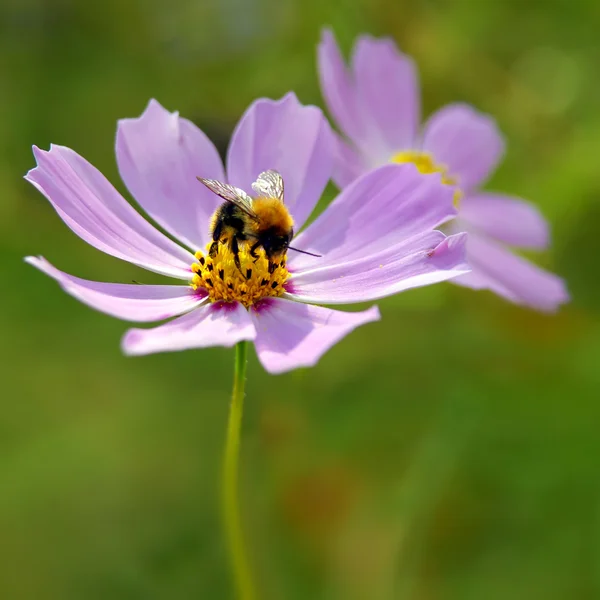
(225, 282)
(426, 165)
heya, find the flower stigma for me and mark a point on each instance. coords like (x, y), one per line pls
(424, 162)
(224, 282)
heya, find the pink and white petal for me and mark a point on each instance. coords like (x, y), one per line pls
(338, 89)
(96, 212)
(290, 335)
(125, 301)
(348, 164)
(159, 156)
(496, 268)
(378, 210)
(468, 142)
(290, 138)
(509, 220)
(388, 93)
(207, 325)
(424, 259)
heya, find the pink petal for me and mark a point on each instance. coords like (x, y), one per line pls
(510, 220)
(207, 325)
(159, 156)
(385, 206)
(290, 138)
(291, 335)
(125, 301)
(348, 164)
(466, 141)
(388, 91)
(96, 212)
(338, 88)
(422, 260)
(496, 268)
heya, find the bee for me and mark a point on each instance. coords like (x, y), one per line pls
(260, 222)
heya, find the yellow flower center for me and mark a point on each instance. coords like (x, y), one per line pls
(424, 162)
(223, 281)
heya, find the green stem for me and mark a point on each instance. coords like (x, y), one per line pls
(231, 513)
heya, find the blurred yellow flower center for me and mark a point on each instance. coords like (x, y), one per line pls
(424, 162)
(223, 281)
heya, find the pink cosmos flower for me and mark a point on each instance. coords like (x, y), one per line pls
(376, 104)
(377, 238)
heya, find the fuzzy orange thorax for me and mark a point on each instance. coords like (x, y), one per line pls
(272, 213)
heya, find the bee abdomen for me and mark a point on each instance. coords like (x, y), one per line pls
(226, 221)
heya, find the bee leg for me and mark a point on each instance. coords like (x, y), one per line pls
(253, 251)
(216, 236)
(235, 250)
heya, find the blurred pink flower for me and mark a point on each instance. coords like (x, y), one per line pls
(376, 104)
(377, 237)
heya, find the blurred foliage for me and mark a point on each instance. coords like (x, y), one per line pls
(447, 452)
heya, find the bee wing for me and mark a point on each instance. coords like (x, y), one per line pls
(269, 184)
(231, 194)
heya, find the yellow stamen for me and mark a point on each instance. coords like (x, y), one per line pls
(223, 281)
(424, 162)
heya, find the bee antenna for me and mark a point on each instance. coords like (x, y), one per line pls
(305, 252)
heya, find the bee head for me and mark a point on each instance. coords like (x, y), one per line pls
(276, 242)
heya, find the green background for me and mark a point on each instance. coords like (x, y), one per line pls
(450, 451)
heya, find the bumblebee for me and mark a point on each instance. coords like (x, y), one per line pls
(260, 222)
